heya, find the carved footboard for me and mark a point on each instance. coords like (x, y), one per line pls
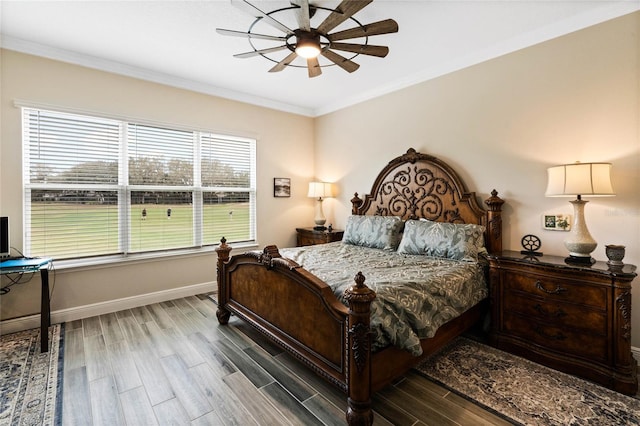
(299, 312)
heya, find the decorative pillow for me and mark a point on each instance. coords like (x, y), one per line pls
(383, 232)
(460, 241)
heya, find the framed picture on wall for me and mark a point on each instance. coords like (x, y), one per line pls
(556, 222)
(281, 187)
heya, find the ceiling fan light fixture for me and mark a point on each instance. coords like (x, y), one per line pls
(307, 41)
(307, 45)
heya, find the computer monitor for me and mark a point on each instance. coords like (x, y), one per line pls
(5, 247)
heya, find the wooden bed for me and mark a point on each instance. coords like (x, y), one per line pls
(298, 311)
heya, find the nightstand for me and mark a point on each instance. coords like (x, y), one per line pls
(310, 236)
(574, 318)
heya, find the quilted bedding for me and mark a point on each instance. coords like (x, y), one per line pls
(415, 294)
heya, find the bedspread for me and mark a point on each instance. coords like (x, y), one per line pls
(415, 294)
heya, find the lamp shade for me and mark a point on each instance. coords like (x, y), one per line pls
(592, 179)
(320, 190)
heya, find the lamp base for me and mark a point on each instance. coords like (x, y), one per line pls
(579, 260)
(580, 243)
(319, 219)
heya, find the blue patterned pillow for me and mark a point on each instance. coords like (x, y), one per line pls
(383, 232)
(460, 241)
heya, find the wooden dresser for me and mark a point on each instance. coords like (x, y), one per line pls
(576, 319)
(310, 236)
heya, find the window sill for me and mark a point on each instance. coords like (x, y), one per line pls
(120, 260)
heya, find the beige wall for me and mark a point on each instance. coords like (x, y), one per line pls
(281, 137)
(502, 123)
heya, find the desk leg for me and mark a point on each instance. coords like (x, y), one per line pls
(45, 311)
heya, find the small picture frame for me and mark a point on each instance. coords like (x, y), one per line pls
(281, 187)
(556, 222)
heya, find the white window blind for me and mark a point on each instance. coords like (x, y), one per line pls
(97, 186)
(71, 178)
(160, 182)
(228, 189)
(159, 157)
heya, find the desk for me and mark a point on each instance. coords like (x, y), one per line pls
(31, 266)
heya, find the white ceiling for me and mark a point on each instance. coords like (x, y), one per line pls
(175, 42)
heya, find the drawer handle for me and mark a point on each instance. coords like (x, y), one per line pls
(557, 314)
(557, 290)
(541, 332)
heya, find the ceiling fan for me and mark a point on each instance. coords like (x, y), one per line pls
(310, 42)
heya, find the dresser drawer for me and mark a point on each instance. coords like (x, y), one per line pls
(556, 313)
(568, 341)
(552, 288)
(310, 236)
(309, 240)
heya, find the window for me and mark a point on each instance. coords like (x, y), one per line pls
(96, 186)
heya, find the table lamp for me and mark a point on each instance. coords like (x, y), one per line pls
(578, 179)
(320, 190)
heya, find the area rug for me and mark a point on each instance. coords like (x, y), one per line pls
(524, 392)
(30, 381)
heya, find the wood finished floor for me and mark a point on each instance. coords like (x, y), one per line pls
(171, 363)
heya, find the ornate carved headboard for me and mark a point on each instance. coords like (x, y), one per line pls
(415, 185)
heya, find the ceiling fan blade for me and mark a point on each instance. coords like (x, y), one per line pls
(259, 52)
(381, 27)
(314, 67)
(344, 63)
(233, 33)
(254, 11)
(363, 49)
(302, 14)
(283, 63)
(344, 11)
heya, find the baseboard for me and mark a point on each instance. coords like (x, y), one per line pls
(86, 311)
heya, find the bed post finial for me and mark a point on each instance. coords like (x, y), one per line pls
(222, 251)
(356, 202)
(494, 222)
(359, 297)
